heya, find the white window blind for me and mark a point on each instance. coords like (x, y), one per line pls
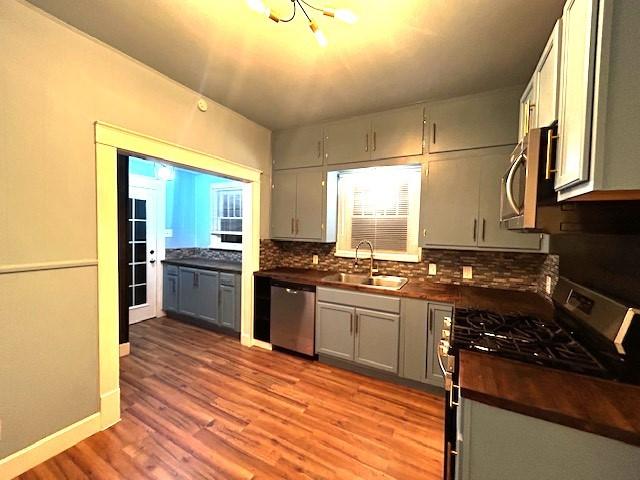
(226, 206)
(381, 205)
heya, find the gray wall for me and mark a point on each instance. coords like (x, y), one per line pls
(54, 84)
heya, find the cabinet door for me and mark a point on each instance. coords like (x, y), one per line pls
(309, 205)
(348, 141)
(490, 233)
(397, 133)
(377, 336)
(170, 293)
(300, 147)
(415, 335)
(335, 330)
(188, 296)
(528, 108)
(548, 80)
(437, 315)
(227, 306)
(283, 204)
(576, 91)
(208, 296)
(485, 120)
(450, 208)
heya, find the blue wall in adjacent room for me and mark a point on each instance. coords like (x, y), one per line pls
(188, 203)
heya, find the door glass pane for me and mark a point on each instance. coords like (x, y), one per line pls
(140, 252)
(140, 295)
(141, 209)
(140, 231)
(140, 273)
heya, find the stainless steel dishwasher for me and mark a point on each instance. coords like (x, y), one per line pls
(293, 316)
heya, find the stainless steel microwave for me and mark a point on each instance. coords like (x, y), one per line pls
(528, 181)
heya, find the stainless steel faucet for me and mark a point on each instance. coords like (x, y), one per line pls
(355, 263)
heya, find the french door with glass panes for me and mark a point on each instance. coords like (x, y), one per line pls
(141, 237)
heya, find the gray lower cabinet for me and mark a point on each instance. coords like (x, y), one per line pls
(422, 324)
(334, 330)
(170, 289)
(497, 444)
(376, 335)
(207, 295)
(346, 329)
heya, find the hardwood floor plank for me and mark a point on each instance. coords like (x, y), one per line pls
(198, 405)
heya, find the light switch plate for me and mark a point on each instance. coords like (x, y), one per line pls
(433, 269)
(467, 272)
(315, 259)
(547, 286)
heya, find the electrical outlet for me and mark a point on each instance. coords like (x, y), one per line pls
(433, 269)
(467, 273)
(314, 260)
(547, 286)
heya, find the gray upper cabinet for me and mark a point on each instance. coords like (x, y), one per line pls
(335, 330)
(300, 210)
(438, 314)
(397, 133)
(377, 336)
(547, 79)
(485, 120)
(490, 233)
(450, 203)
(348, 141)
(299, 147)
(461, 202)
(528, 109)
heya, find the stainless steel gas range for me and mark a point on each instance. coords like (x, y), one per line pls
(588, 333)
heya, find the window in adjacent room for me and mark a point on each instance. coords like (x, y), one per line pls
(226, 208)
(382, 205)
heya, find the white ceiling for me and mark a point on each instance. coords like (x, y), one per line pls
(399, 52)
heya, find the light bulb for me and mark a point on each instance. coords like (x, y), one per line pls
(320, 38)
(259, 7)
(341, 14)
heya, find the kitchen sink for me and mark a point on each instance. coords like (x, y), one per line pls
(385, 282)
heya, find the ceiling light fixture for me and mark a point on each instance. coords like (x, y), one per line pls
(341, 14)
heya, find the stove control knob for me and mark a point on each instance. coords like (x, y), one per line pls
(444, 344)
(446, 333)
(447, 322)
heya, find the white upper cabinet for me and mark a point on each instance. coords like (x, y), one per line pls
(528, 109)
(579, 25)
(547, 77)
(485, 120)
(300, 147)
(397, 133)
(348, 141)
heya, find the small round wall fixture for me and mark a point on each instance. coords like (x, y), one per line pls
(202, 105)
(342, 14)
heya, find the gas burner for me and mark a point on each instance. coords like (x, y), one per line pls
(522, 337)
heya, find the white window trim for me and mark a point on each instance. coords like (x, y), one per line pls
(413, 227)
(215, 189)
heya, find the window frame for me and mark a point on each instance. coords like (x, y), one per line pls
(413, 253)
(214, 233)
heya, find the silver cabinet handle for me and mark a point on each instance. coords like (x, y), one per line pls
(475, 229)
(453, 403)
(195, 279)
(431, 322)
(366, 142)
(548, 170)
(434, 133)
(292, 220)
(350, 323)
(319, 149)
(374, 140)
(297, 226)
(484, 227)
(509, 183)
(357, 322)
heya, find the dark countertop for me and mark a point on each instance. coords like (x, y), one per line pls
(603, 407)
(586, 403)
(205, 264)
(500, 301)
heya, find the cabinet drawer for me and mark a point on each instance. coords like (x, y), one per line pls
(357, 299)
(171, 269)
(228, 279)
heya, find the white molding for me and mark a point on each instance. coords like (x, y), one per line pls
(125, 349)
(261, 344)
(109, 408)
(34, 267)
(50, 446)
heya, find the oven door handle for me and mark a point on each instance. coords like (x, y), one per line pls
(509, 183)
(444, 371)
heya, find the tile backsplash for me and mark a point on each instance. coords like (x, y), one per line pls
(510, 270)
(207, 253)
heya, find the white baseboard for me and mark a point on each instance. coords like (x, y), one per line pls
(110, 408)
(27, 458)
(125, 349)
(261, 344)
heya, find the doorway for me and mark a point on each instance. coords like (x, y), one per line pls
(110, 141)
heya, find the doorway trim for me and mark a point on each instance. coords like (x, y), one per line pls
(109, 140)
